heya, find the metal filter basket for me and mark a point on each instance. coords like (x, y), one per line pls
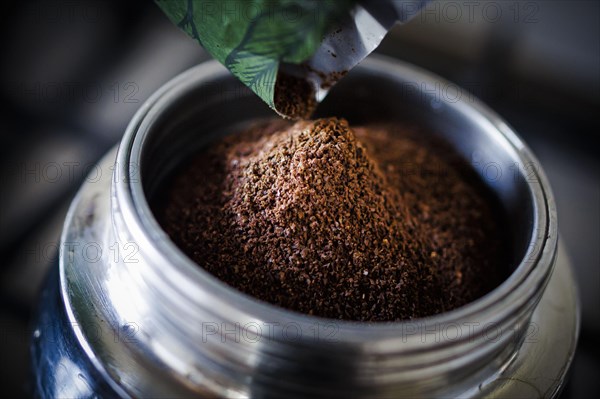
(127, 314)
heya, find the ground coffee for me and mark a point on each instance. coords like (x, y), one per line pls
(375, 223)
(294, 97)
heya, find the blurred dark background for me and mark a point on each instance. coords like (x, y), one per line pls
(72, 73)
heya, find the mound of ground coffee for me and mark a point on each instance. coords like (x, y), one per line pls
(371, 224)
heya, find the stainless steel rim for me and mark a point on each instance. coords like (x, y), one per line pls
(523, 284)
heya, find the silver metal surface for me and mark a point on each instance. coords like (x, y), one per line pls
(156, 324)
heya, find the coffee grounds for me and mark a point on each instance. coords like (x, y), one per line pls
(368, 224)
(294, 97)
